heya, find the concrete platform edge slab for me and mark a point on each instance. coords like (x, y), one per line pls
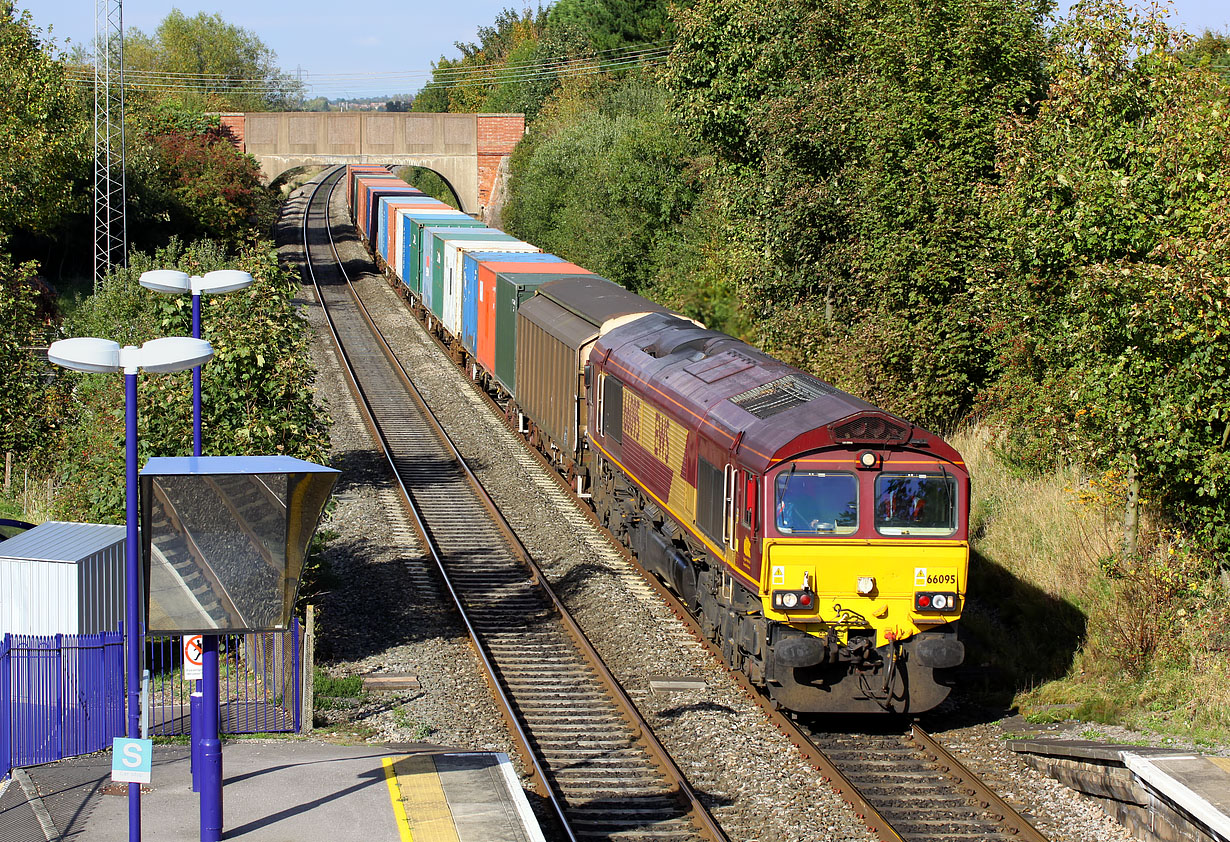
(477, 783)
(50, 833)
(522, 804)
(1148, 770)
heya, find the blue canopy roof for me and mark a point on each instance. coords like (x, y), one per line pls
(207, 465)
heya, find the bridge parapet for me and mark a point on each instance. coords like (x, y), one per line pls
(465, 149)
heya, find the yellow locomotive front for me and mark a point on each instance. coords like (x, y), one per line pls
(866, 556)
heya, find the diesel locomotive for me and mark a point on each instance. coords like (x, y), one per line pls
(822, 543)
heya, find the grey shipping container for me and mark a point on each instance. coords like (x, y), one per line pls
(62, 578)
(555, 330)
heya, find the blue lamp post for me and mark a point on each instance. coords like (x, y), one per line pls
(173, 353)
(206, 745)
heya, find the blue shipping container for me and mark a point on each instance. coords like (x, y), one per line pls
(472, 291)
(432, 272)
(411, 263)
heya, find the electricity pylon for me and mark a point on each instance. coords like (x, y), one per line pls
(110, 190)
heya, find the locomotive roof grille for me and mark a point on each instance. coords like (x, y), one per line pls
(871, 427)
(776, 396)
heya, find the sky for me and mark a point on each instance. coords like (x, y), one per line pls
(387, 46)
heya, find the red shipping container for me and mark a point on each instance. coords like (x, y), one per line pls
(486, 311)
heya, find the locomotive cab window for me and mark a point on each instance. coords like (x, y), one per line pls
(916, 504)
(809, 503)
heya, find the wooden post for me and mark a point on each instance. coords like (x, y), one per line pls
(1131, 517)
(308, 664)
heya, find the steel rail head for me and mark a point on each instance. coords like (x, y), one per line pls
(700, 815)
(1014, 821)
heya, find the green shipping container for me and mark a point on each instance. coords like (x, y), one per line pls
(414, 236)
(438, 239)
(511, 290)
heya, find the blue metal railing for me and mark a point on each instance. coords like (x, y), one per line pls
(63, 695)
(60, 696)
(6, 763)
(259, 683)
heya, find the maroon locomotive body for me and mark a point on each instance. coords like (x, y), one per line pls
(704, 451)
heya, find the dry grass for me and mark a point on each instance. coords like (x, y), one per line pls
(1057, 616)
(1043, 529)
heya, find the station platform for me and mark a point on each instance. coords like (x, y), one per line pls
(1159, 793)
(277, 790)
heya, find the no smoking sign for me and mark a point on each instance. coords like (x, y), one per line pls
(193, 655)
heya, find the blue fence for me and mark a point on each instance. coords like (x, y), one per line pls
(59, 696)
(63, 695)
(259, 683)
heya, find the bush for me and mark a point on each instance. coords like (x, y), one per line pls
(1107, 288)
(257, 395)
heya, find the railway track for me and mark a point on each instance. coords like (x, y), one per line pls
(906, 787)
(593, 758)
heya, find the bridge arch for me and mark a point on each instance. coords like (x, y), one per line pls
(465, 149)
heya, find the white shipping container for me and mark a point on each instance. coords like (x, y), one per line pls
(62, 578)
(401, 244)
(454, 265)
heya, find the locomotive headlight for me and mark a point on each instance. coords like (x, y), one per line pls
(866, 584)
(868, 459)
(790, 600)
(939, 602)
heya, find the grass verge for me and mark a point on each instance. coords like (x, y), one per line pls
(1060, 625)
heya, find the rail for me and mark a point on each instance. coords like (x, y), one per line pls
(699, 817)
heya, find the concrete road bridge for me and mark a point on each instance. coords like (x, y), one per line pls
(465, 149)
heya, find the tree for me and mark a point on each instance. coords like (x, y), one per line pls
(490, 70)
(614, 24)
(1109, 278)
(257, 390)
(23, 388)
(515, 67)
(852, 140)
(187, 179)
(43, 132)
(1211, 49)
(602, 187)
(228, 67)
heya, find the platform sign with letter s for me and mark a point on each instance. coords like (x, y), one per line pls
(131, 760)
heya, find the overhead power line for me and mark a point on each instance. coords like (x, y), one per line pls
(659, 47)
(489, 73)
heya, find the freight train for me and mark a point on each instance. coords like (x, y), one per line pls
(821, 543)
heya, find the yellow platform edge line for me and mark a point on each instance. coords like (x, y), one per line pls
(427, 807)
(399, 809)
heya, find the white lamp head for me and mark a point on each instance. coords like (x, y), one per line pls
(171, 353)
(85, 353)
(166, 280)
(222, 280)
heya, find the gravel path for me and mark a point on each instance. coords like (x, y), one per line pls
(385, 615)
